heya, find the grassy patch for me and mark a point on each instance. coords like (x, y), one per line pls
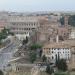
(61, 73)
(43, 73)
(19, 73)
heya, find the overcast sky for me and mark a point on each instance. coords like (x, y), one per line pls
(37, 5)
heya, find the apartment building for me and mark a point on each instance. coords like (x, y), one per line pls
(65, 50)
(56, 49)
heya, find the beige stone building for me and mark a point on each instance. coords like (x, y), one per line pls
(51, 31)
(71, 65)
(66, 50)
(22, 24)
(51, 50)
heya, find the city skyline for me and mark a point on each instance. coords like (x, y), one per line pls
(37, 5)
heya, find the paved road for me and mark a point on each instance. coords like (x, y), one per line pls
(7, 54)
(8, 48)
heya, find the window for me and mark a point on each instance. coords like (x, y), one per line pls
(29, 24)
(52, 57)
(49, 48)
(49, 51)
(29, 28)
(52, 51)
(58, 49)
(24, 28)
(17, 68)
(34, 24)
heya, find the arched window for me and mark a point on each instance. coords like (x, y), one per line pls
(52, 57)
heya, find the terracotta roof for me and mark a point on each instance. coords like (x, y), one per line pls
(64, 44)
(56, 45)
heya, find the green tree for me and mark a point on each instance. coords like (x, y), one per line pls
(44, 58)
(62, 21)
(49, 69)
(71, 20)
(25, 41)
(35, 46)
(56, 62)
(62, 65)
(4, 33)
(2, 36)
(1, 73)
(7, 32)
(40, 53)
(0, 42)
(32, 56)
(57, 59)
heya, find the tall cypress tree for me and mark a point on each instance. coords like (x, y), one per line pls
(56, 60)
(1, 73)
(49, 69)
